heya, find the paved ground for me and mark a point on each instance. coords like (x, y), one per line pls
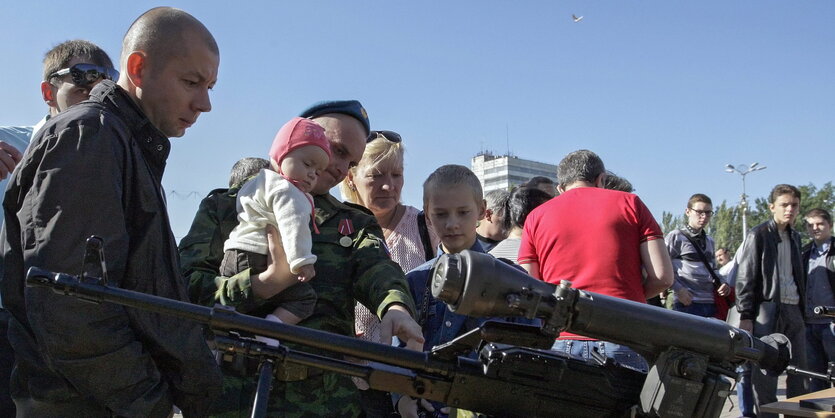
(731, 409)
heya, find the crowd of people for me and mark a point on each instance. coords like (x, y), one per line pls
(276, 244)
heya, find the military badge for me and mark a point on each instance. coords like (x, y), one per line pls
(346, 228)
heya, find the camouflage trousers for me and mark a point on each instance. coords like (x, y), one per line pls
(328, 394)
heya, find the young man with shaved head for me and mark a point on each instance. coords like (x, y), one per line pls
(95, 169)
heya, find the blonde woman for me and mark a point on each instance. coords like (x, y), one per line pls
(376, 183)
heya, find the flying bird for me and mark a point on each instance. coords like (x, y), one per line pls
(576, 19)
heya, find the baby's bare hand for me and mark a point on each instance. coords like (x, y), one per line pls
(306, 272)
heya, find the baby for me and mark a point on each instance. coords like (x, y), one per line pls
(280, 197)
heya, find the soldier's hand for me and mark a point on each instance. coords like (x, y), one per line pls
(684, 296)
(277, 276)
(398, 321)
(724, 290)
(9, 157)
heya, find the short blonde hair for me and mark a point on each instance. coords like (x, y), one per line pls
(377, 152)
(452, 175)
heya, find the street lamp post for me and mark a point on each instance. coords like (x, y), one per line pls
(744, 170)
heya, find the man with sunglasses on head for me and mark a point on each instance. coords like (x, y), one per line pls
(59, 93)
(70, 70)
(691, 251)
(96, 169)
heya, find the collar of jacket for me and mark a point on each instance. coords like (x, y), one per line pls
(689, 231)
(828, 245)
(153, 143)
(476, 248)
(327, 207)
(831, 244)
(772, 227)
(807, 249)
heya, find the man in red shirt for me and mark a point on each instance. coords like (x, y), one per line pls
(601, 240)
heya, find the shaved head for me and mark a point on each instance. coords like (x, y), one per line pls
(160, 34)
(169, 65)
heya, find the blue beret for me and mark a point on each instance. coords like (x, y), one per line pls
(351, 108)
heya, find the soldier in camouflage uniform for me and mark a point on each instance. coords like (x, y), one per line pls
(352, 264)
(201, 251)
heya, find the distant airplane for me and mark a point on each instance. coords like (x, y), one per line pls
(576, 19)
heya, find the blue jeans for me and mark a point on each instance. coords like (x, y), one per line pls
(745, 392)
(820, 350)
(582, 349)
(705, 310)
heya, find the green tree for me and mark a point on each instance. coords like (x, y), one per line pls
(726, 226)
(669, 222)
(759, 212)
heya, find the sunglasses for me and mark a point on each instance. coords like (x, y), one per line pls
(84, 75)
(387, 135)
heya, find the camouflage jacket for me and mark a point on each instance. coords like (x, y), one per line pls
(357, 268)
(373, 278)
(201, 250)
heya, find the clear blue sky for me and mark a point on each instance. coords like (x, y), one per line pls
(666, 92)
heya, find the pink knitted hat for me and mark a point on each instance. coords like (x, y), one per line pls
(298, 133)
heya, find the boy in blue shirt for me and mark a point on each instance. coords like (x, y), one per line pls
(453, 203)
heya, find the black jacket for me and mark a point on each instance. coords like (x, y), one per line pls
(757, 275)
(830, 261)
(96, 169)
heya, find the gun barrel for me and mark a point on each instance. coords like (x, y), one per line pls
(224, 318)
(651, 329)
(462, 382)
(479, 285)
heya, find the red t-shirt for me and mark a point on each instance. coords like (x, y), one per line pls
(591, 237)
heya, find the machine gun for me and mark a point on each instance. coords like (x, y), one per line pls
(690, 357)
(511, 377)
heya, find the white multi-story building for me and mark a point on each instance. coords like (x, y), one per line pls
(505, 171)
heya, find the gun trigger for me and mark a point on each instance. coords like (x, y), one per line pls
(598, 358)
